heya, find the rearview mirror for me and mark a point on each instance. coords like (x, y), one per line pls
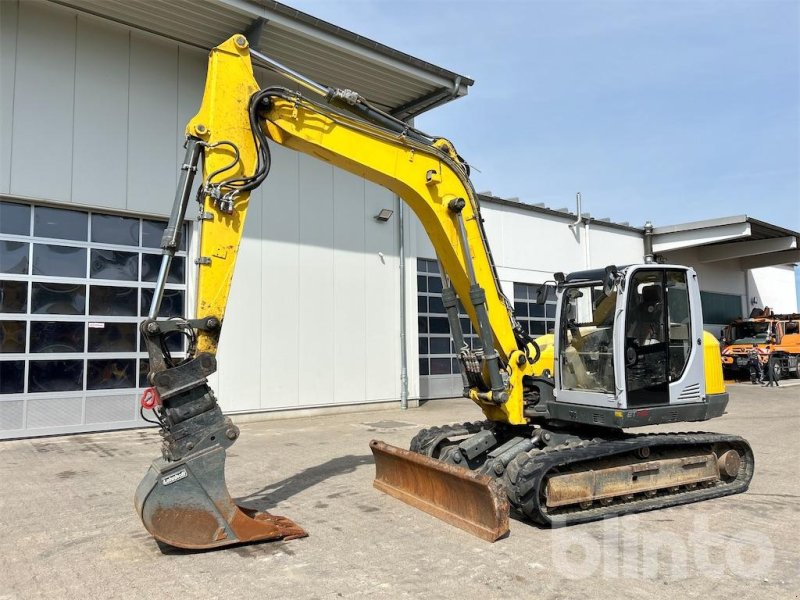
(609, 279)
(542, 293)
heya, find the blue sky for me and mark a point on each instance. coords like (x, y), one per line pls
(670, 110)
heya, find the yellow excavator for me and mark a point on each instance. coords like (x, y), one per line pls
(628, 349)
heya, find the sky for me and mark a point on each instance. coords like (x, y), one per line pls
(664, 110)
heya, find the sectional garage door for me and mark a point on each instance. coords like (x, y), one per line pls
(73, 288)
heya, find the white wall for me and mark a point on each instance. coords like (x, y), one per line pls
(774, 287)
(528, 246)
(93, 114)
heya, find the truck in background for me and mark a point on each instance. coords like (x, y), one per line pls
(771, 335)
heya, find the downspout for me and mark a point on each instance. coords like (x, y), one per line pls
(586, 241)
(403, 319)
(574, 227)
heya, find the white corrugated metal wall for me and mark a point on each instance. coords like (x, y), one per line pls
(93, 116)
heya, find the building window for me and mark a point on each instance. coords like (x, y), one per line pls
(436, 353)
(536, 319)
(74, 286)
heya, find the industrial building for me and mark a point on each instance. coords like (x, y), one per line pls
(94, 98)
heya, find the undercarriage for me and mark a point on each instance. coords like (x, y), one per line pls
(563, 475)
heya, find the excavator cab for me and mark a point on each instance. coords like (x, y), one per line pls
(630, 347)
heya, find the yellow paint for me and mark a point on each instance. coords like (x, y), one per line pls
(223, 115)
(712, 358)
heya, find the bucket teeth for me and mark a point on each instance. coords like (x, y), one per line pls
(468, 500)
(186, 504)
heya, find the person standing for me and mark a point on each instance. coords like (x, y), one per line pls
(754, 365)
(772, 376)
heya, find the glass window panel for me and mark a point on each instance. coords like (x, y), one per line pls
(537, 328)
(423, 366)
(114, 264)
(436, 305)
(60, 223)
(13, 296)
(440, 345)
(14, 257)
(455, 366)
(58, 298)
(422, 304)
(144, 369)
(55, 376)
(550, 311)
(56, 336)
(15, 218)
(536, 310)
(439, 325)
(433, 266)
(110, 229)
(435, 284)
(12, 376)
(422, 324)
(112, 337)
(521, 309)
(466, 326)
(520, 291)
(112, 301)
(60, 261)
(112, 373)
(423, 345)
(422, 283)
(440, 366)
(151, 263)
(152, 231)
(12, 336)
(171, 303)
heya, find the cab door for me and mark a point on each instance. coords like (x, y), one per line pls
(646, 348)
(663, 338)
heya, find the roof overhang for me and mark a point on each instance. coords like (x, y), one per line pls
(392, 80)
(755, 243)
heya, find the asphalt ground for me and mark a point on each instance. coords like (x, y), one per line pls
(69, 530)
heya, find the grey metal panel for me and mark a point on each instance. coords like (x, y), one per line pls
(440, 386)
(280, 283)
(99, 166)
(349, 288)
(382, 361)
(41, 160)
(239, 356)
(191, 82)
(152, 124)
(8, 59)
(315, 189)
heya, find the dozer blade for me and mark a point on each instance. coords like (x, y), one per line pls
(473, 502)
(186, 504)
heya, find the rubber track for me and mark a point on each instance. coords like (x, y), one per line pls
(427, 440)
(527, 475)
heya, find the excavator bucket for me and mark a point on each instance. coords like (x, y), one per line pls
(186, 504)
(473, 502)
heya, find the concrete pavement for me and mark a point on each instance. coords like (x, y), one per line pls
(69, 529)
